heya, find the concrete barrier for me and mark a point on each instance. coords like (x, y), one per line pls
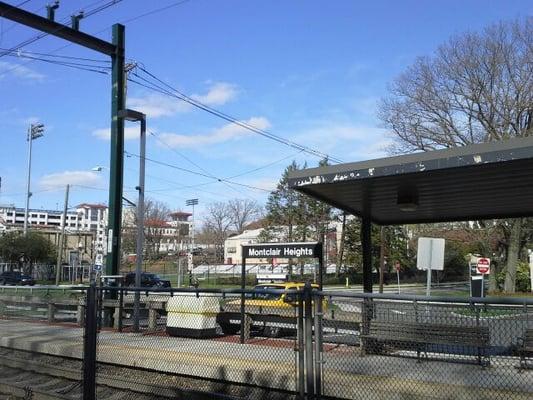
(192, 316)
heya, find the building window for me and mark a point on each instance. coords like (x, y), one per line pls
(232, 249)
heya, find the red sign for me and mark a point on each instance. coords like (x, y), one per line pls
(397, 266)
(483, 266)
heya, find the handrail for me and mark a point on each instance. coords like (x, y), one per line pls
(429, 299)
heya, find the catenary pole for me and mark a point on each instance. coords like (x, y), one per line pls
(116, 50)
(117, 153)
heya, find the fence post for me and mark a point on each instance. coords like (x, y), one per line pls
(89, 346)
(120, 307)
(80, 312)
(318, 344)
(51, 312)
(301, 350)
(308, 316)
(365, 325)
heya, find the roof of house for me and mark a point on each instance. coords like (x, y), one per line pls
(89, 205)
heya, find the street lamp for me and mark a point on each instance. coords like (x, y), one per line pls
(130, 115)
(35, 131)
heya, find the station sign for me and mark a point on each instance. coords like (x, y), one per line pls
(282, 250)
(483, 266)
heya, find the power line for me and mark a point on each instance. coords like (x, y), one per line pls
(157, 10)
(44, 34)
(21, 53)
(105, 29)
(81, 66)
(195, 164)
(181, 96)
(196, 172)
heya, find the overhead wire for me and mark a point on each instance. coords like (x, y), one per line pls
(101, 69)
(181, 96)
(105, 29)
(148, 85)
(33, 53)
(44, 34)
(195, 172)
(173, 92)
(196, 164)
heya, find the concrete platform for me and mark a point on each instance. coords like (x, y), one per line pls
(273, 363)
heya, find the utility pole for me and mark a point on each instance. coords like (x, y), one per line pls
(62, 237)
(35, 131)
(131, 115)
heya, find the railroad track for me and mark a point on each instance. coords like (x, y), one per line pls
(35, 376)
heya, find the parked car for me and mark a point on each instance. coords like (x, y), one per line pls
(16, 278)
(147, 280)
(260, 304)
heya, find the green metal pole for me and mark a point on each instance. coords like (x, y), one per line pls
(118, 102)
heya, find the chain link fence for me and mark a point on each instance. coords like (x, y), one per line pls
(200, 341)
(42, 331)
(412, 347)
(263, 344)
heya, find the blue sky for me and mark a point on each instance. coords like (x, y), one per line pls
(309, 71)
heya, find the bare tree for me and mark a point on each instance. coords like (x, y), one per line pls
(243, 211)
(477, 87)
(156, 216)
(218, 221)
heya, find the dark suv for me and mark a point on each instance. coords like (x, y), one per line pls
(147, 280)
(16, 278)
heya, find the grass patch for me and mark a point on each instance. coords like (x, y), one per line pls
(41, 292)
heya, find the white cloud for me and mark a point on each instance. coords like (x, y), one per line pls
(223, 134)
(158, 105)
(375, 149)
(130, 133)
(346, 141)
(262, 183)
(19, 71)
(61, 179)
(218, 94)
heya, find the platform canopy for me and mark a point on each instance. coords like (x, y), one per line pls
(481, 181)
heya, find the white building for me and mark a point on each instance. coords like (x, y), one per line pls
(233, 245)
(12, 217)
(165, 236)
(233, 249)
(86, 218)
(93, 218)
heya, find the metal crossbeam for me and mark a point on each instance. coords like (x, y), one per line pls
(53, 28)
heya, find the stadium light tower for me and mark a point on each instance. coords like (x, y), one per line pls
(35, 131)
(192, 202)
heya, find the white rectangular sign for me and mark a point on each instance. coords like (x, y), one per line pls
(430, 254)
(110, 241)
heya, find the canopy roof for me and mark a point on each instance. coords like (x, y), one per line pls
(481, 181)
